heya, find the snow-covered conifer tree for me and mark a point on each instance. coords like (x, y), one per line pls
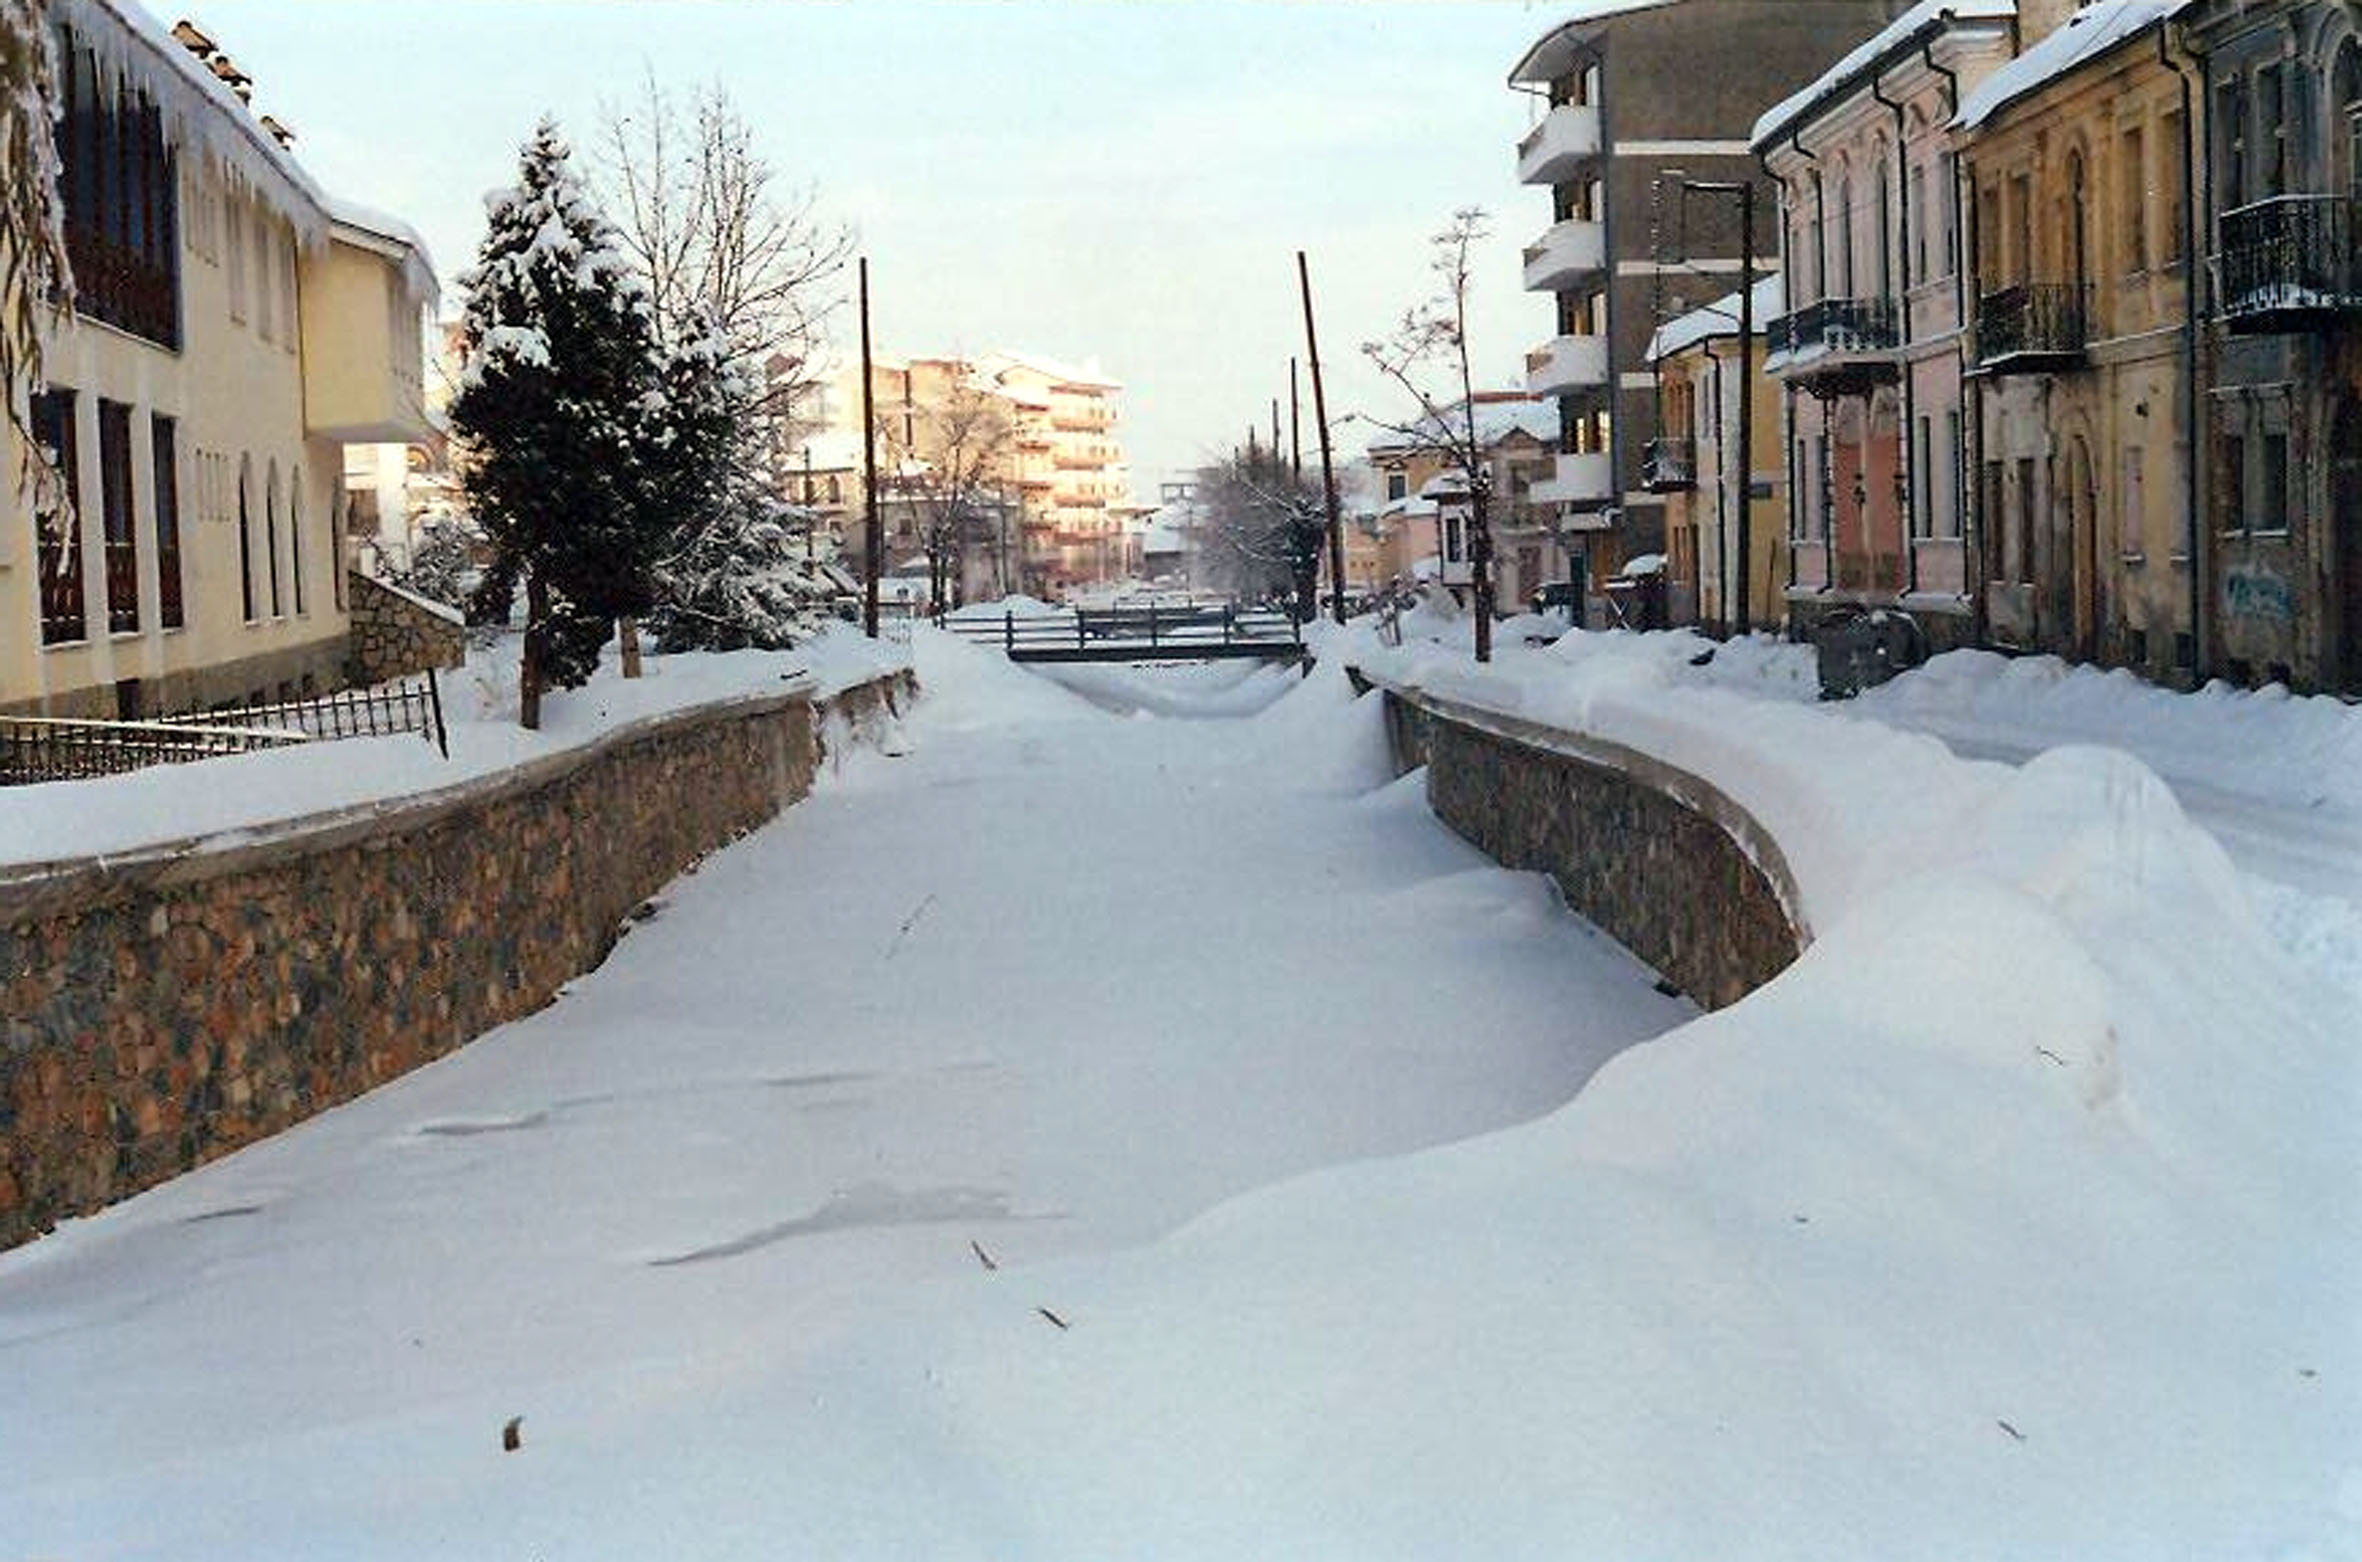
(725, 579)
(557, 388)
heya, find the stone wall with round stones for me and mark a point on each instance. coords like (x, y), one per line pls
(164, 1007)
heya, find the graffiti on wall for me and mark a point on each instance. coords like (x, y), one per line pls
(2258, 593)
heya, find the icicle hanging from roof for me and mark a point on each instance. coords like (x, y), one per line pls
(201, 113)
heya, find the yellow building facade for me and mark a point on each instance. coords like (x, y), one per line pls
(2074, 173)
(233, 329)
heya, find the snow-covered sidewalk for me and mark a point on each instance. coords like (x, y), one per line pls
(1050, 985)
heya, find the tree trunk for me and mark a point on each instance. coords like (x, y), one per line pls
(629, 632)
(529, 680)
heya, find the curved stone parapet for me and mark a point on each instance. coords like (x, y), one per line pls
(1661, 860)
(162, 1007)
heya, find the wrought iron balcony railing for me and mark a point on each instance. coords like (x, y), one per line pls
(2290, 255)
(1836, 325)
(117, 284)
(2042, 325)
(1668, 464)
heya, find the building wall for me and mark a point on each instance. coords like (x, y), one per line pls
(2280, 533)
(2088, 553)
(1678, 89)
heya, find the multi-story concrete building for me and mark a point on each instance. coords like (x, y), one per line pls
(234, 328)
(1634, 96)
(1072, 469)
(2278, 553)
(1708, 383)
(2072, 171)
(1868, 354)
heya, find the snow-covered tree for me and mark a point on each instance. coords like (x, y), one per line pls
(558, 383)
(446, 562)
(1263, 524)
(726, 578)
(33, 270)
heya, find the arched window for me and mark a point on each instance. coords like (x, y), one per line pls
(295, 535)
(2075, 234)
(270, 533)
(246, 536)
(1841, 238)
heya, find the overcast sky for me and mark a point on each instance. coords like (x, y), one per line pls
(1120, 182)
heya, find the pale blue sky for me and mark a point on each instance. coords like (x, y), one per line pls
(1126, 180)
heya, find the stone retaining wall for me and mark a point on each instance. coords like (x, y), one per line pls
(160, 1009)
(398, 635)
(1655, 857)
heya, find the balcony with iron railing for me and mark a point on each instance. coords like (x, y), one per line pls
(1566, 139)
(2288, 263)
(1836, 345)
(1567, 252)
(1668, 464)
(2034, 328)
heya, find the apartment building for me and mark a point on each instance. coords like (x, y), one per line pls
(2278, 545)
(2073, 178)
(1867, 355)
(1633, 97)
(234, 329)
(1708, 381)
(1071, 469)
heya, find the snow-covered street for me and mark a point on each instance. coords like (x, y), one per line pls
(1051, 983)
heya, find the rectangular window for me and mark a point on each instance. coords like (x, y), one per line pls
(246, 595)
(287, 299)
(2021, 529)
(115, 517)
(265, 313)
(2271, 132)
(1993, 521)
(2231, 161)
(1920, 219)
(1923, 478)
(2174, 217)
(58, 550)
(2132, 523)
(1989, 273)
(1956, 477)
(2020, 260)
(1398, 485)
(2234, 479)
(2132, 184)
(120, 192)
(1824, 490)
(234, 227)
(2271, 507)
(163, 437)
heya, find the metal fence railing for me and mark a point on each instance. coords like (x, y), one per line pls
(47, 748)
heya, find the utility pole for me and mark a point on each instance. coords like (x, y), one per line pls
(1295, 426)
(873, 534)
(1328, 475)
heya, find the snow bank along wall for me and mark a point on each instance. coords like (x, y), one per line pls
(1657, 858)
(160, 1009)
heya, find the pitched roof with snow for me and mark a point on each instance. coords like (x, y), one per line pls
(1087, 374)
(1708, 322)
(2089, 33)
(1872, 54)
(1498, 415)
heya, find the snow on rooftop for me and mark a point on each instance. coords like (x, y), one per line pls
(2090, 32)
(1718, 319)
(1498, 415)
(1087, 373)
(1867, 54)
